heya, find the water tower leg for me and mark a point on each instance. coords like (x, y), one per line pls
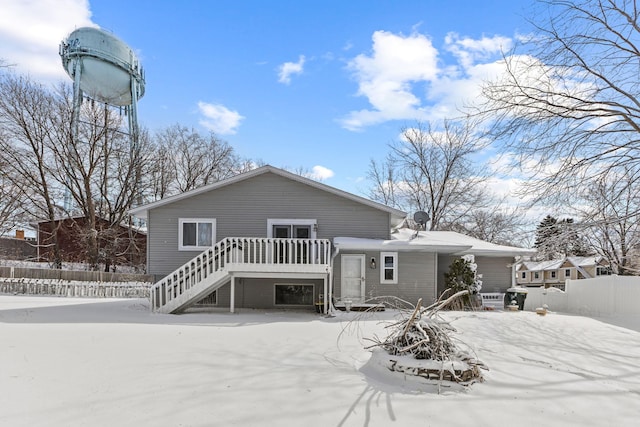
(75, 122)
(133, 115)
(134, 135)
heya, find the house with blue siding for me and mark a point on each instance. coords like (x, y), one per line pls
(269, 238)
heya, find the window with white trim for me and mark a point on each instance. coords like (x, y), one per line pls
(196, 234)
(389, 267)
(524, 274)
(553, 274)
(567, 272)
(536, 275)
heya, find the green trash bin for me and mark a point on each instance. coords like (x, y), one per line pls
(515, 296)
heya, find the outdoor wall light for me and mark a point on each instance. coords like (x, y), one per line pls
(372, 264)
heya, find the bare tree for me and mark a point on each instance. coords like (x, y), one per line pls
(101, 169)
(384, 177)
(160, 173)
(496, 224)
(183, 160)
(10, 198)
(569, 107)
(612, 216)
(431, 170)
(27, 123)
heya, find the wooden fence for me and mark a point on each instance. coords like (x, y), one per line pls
(84, 276)
(73, 288)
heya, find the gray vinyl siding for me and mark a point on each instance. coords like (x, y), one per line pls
(260, 293)
(241, 209)
(416, 277)
(444, 261)
(496, 276)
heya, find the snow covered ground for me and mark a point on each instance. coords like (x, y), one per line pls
(99, 362)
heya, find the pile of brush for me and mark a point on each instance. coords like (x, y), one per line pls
(421, 345)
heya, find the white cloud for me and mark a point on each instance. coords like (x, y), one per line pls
(30, 32)
(405, 78)
(385, 78)
(469, 51)
(219, 119)
(289, 68)
(320, 173)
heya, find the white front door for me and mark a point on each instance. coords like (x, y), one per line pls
(352, 277)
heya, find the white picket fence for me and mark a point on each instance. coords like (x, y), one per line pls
(71, 288)
(492, 300)
(600, 296)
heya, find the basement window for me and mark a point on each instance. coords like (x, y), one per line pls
(294, 294)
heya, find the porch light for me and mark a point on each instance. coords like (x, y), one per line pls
(372, 264)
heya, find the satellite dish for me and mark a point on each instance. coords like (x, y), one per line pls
(107, 69)
(421, 218)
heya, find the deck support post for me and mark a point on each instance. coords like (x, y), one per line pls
(325, 298)
(232, 303)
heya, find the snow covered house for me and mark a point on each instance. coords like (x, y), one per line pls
(269, 238)
(556, 272)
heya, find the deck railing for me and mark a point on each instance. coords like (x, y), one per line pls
(272, 251)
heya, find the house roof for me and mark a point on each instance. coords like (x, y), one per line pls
(584, 261)
(141, 212)
(555, 264)
(354, 243)
(432, 241)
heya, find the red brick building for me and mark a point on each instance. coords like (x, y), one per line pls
(118, 245)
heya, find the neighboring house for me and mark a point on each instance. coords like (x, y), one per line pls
(556, 272)
(122, 245)
(269, 238)
(20, 247)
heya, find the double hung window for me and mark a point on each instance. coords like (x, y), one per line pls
(389, 267)
(196, 233)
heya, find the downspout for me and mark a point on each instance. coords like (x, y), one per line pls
(516, 260)
(328, 302)
(435, 276)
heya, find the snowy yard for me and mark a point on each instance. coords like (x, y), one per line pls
(98, 362)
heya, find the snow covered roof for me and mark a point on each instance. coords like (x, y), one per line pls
(584, 261)
(555, 264)
(396, 215)
(415, 245)
(432, 241)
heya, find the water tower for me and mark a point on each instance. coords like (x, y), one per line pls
(104, 68)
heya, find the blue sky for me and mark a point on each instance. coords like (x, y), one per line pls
(319, 85)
